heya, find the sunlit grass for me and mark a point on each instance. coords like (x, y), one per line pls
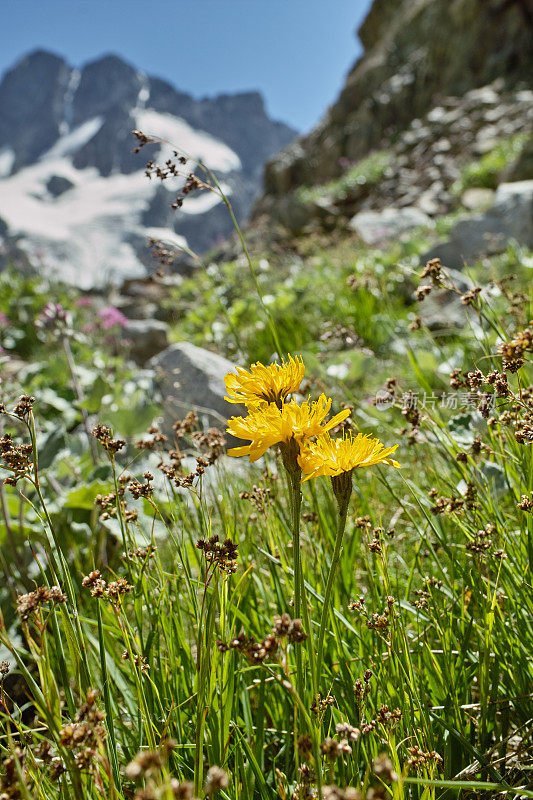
(407, 674)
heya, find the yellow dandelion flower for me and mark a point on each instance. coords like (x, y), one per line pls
(327, 456)
(271, 425)
(271, 384)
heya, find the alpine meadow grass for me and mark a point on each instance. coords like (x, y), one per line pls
(310, 622)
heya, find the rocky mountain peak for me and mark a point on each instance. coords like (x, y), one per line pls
(73, 194)
(33, 90)
(108, 82)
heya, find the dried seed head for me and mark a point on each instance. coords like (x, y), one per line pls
(216, 780)
(384, 769)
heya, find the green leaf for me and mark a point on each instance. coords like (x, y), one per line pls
(93, 402)
(131, 421)
(85, 496)
(53, 443)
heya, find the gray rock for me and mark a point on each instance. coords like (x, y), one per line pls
(147, 337)
(477, 199)
(442, 309)
(192, 379)
(522, 168)
(58, 185)
(405, 58)
(511, 217)
(375, 227)
(483, 96)
(440, 316)
(428, 202)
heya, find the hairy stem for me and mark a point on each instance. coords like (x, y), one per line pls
(343, 499)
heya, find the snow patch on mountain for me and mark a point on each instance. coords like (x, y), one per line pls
(144, 91)
(7, 159)
(166, 235)
(75, 234)
(73, 83)
(70, 142)
(195, 144)
(74, 198)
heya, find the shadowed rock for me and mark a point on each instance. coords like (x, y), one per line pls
(192, 379)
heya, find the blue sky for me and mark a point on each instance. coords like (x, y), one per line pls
(296, 52)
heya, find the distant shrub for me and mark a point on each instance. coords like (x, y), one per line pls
(486, 172)
(365, 173)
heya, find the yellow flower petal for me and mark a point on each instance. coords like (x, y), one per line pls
(271, 383)
(327, 456)
(270, 424)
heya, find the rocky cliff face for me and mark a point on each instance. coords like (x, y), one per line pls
(417, 52)
(31, 106)
(73, 196)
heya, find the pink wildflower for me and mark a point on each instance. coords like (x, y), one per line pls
(111, 316)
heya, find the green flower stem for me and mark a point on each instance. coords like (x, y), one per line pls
(296, 504)
(79, 396)
(342, 488)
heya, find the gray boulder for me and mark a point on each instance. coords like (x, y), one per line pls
(522, 168)
(375, 227)
(147, 337)
(192, 379)
(58, 185)
(442, 310)
(477, 199)
(510, 217)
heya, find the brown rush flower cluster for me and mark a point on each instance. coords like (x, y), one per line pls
(211, 443)
(24, 406)
(259, 497)
(453, 504)
(172, 168)
(139, 489)
(321, 704)
(440, 279)
(16, 459)
(526, 503)
(333, 749)
(157, 438)
(424, 595)
(27, 604)
(112, 591)
(378, 620)
(105, 437)
(84, 735)
(219, 555)
(433, 271)
(148, 767)
(108, 502)
(290, 629)
(419, 759)
(513, 352)
(10, 778)
(257, 652)
(362, 687)
(254, 652)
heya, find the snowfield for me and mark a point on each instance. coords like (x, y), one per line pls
(84, 235)
(179, 135)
